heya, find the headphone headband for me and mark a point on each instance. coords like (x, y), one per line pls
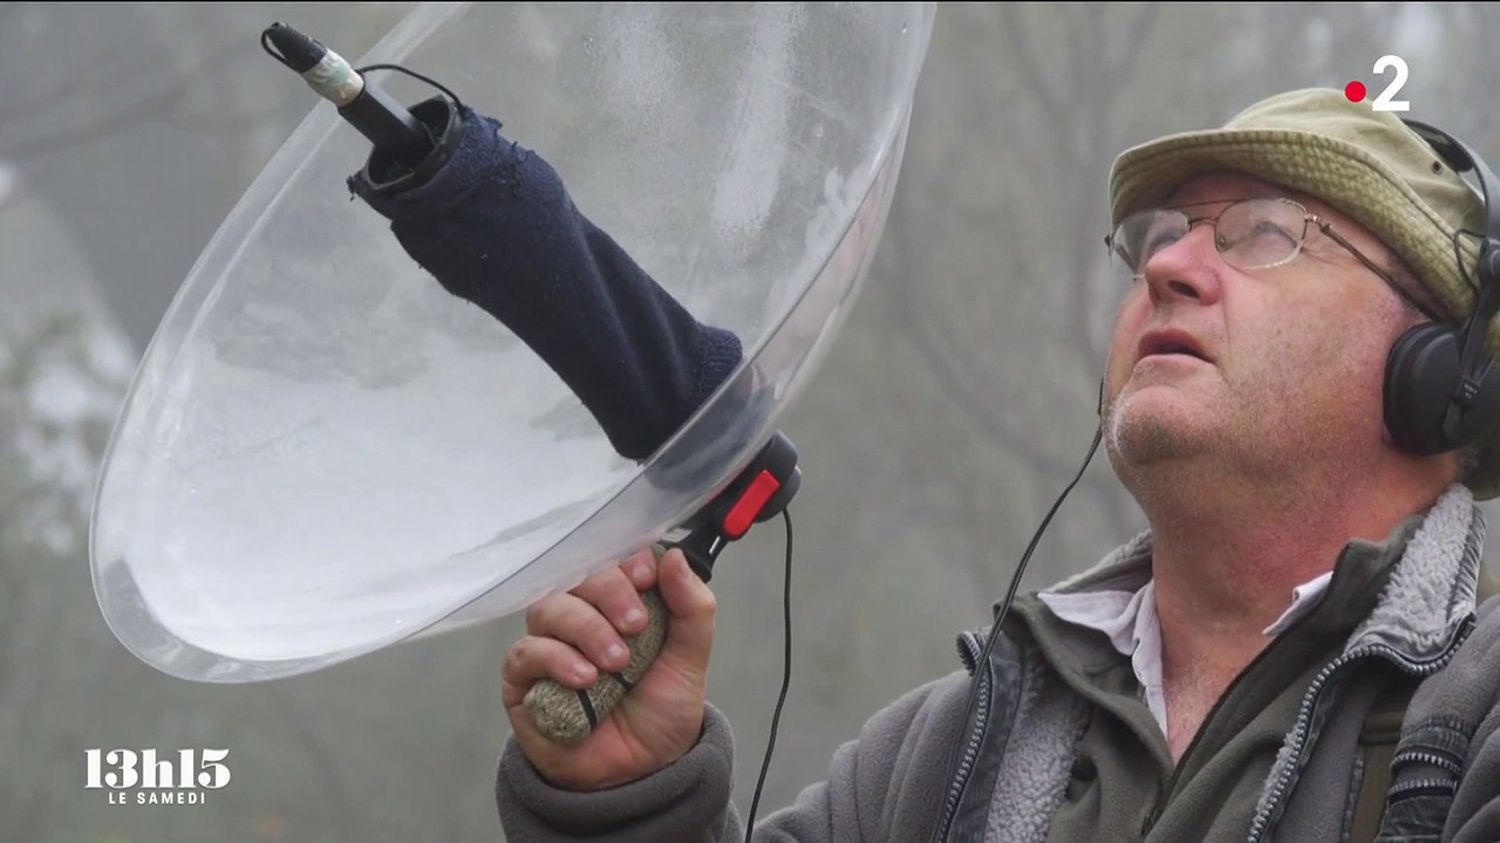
(1439, 391)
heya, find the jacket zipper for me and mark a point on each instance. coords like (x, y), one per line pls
(1423, 787)
(1441, 760)
(1165, 792)
(1261, 823)
(970, 652)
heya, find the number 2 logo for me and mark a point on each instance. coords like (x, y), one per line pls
(1384, 102)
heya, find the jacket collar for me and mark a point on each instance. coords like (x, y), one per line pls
(1423, 604)
(1432, 588)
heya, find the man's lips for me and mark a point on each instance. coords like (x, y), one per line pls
(1171, 341)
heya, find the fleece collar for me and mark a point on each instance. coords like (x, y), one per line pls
(1431, 590)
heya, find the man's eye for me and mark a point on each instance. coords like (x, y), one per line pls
(1269, 233)
(1158, 240)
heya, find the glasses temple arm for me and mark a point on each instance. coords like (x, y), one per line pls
(1373, 267)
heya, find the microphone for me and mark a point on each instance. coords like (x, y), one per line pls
(384, 121)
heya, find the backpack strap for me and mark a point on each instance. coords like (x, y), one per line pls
(1377, 748)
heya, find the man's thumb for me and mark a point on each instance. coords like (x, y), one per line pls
(690, 629)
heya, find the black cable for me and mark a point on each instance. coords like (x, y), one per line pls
(1015, 580)
(265, 44)
(1010, 595)
(413, 74)
(1458, 257)
(786, 674)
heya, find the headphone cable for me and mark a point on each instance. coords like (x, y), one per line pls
(938, 833)
(786, 674)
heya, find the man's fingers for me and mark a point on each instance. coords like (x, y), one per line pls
(641, 568)
(534, 658)
(573, 620)
(690, 630)
(614, 594)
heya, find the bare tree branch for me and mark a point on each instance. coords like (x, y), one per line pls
(1030, 67)
(906, 313)
(1132, 49)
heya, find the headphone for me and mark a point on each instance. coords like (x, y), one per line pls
(1441, 388)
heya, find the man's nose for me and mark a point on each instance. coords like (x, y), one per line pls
(1189, 270)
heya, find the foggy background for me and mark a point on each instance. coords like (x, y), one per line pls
(952, 409)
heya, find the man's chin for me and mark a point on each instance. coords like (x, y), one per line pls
(1140, 433)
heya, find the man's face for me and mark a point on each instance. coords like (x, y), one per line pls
(1295, 354)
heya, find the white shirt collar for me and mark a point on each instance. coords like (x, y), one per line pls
(1130, 621)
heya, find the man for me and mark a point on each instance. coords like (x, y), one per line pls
(1291, 652)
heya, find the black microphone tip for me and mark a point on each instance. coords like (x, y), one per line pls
(299, 52)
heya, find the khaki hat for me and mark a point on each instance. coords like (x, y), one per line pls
(1367, 164)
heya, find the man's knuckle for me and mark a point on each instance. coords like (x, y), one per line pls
(604, 636)
(537, 614)
(517, 656)
(550, 616)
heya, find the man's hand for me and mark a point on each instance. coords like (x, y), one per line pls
(572, 637)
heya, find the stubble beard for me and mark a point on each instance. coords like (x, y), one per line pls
(1139, 437)
(1164, 451)
(1171, 451)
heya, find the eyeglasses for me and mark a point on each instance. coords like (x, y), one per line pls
(1249, 233)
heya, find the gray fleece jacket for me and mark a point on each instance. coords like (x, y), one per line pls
(893, 783)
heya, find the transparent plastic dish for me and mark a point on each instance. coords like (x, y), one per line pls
(323, 453)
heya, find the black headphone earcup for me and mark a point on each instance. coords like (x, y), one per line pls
(1421, 378)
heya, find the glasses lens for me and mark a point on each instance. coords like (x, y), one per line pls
(1259, 233)
(1143, 234)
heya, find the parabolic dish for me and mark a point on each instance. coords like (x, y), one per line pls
(324, 453)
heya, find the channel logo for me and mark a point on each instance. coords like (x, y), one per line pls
(148, 777)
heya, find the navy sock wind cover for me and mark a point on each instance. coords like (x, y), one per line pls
(496, 227)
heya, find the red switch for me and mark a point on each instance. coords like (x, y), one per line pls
(742, 516)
